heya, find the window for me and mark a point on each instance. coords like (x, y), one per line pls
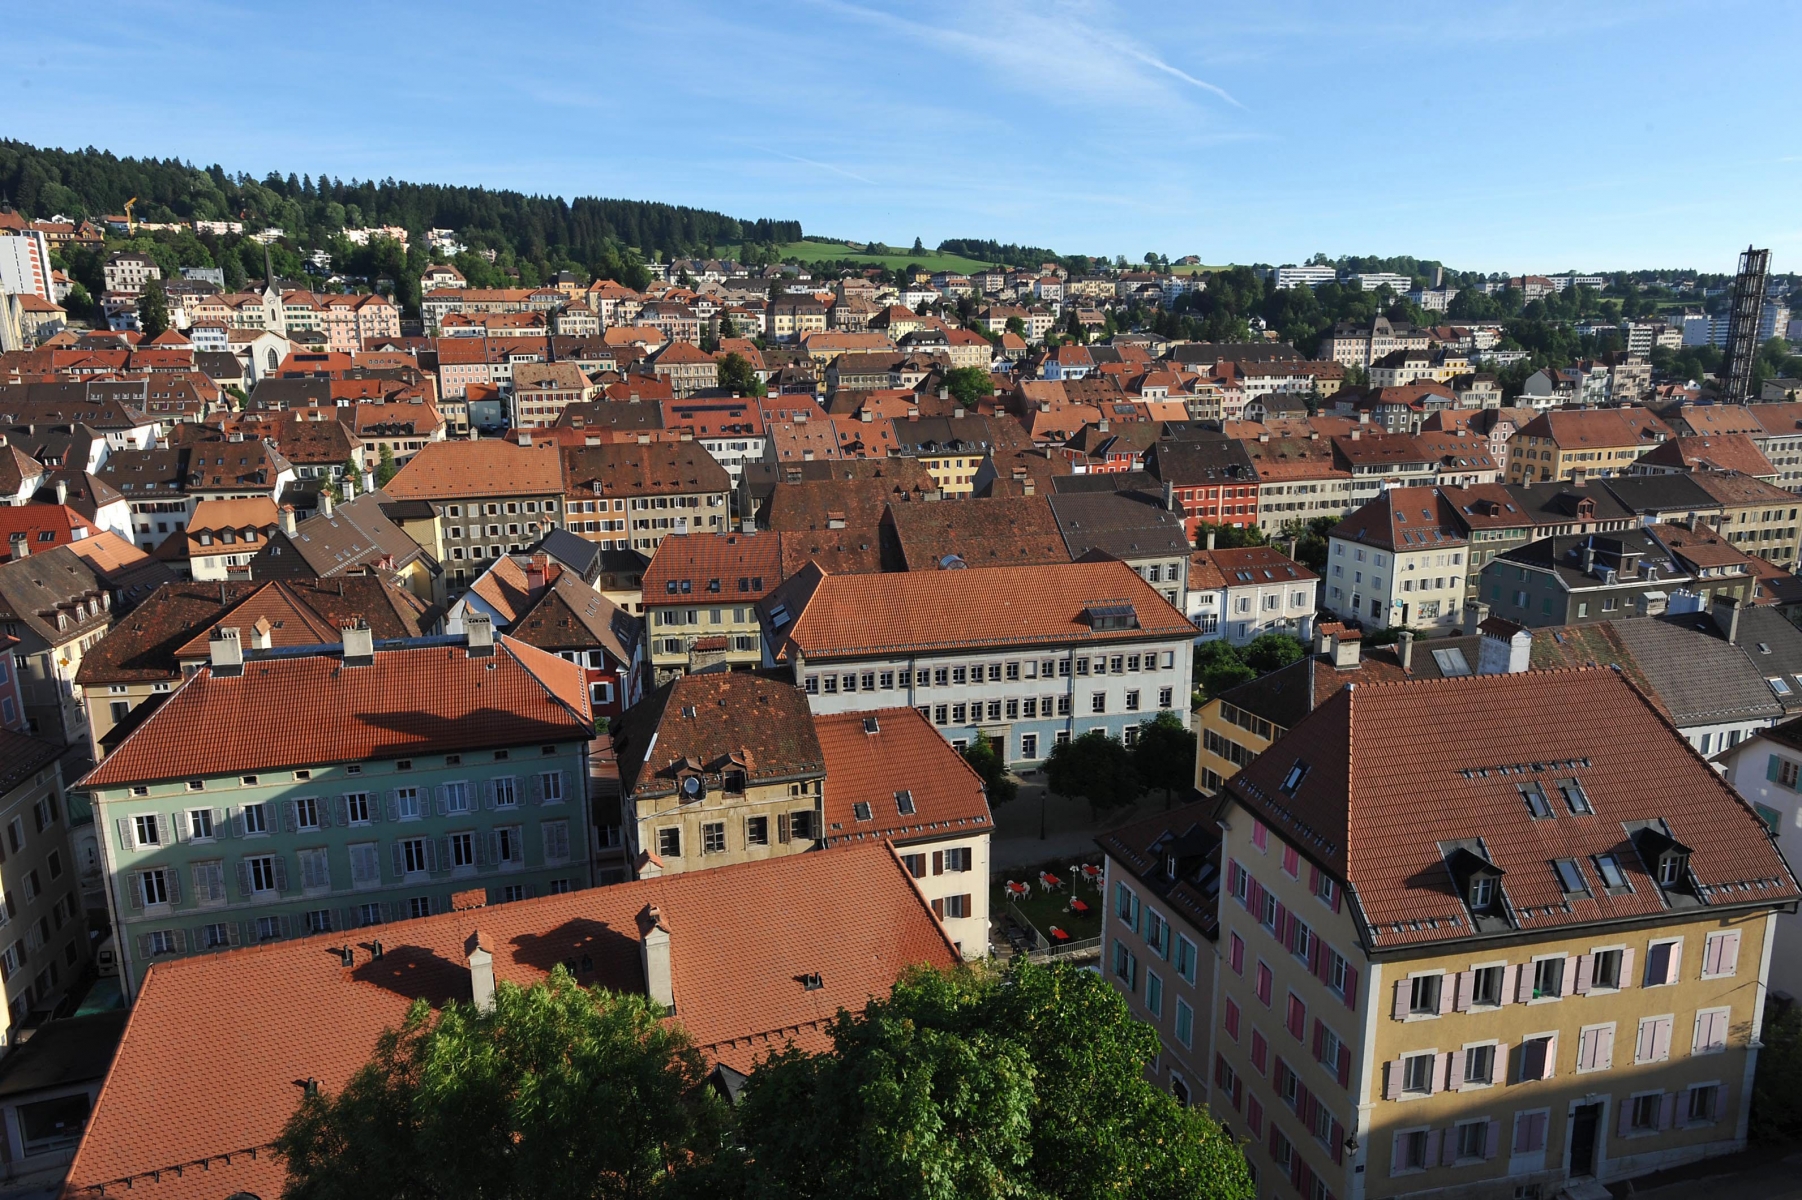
(263, 874)
(1654, 1041)
(456, 797)
(550, 784)
(1236, 954)
(1663, 962)
(144, 830)
(356, 808)
(669, 843)
(1423, 995)
(407, 804)
(215, 936)
(1529, 1131)
(1575, 798)
(506, 791)
(757, 831)
(1417, 1073)
(1479, 1065)
(462, 849)
(1548, 978)
(315, 869)
(915, 864)
(319, 920)
(1185, 1024)
(1126, 966)
(713, 837)
(1608, 866)
(1570, 876)
(1263, 983)
(1711, 1031)
(1473, 1139)
(153, 888)
(1643, 1116)
(958, 858)
(365, 865)
(1702, 1102)
(1098, 702)
(414, 856)
(556, 841)
(1537, 1055)
(1720, 954)
(1411, 1150)
(1534, 797)
(200, 824)
(1185, 958)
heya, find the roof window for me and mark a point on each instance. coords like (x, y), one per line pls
(1570, 877)
(871, 725)
(1575, 798)
(861, 810)
(1293, 779)
(1608, 866)
(1534, 796)
(904, 802)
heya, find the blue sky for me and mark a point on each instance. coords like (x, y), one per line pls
(1500, 136)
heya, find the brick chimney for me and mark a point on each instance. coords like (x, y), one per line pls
(480, 956)
(654, 955)
(289, 524)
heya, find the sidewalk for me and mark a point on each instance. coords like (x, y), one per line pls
(1069, 829)
(1760, 1173)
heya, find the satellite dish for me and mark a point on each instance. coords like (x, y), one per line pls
(693, 788)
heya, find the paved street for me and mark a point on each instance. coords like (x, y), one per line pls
(1069, 829)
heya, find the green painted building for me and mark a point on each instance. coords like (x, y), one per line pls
(278, 793)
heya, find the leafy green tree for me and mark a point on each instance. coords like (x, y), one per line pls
(1073, 328)
(153, 309)
(738, 375)
(1016, 326)
(1777, 1087)
(970, 386)
(1270, 651)
(1229, 537)
(985, 759)
(1164, 754)
(972, 1083)
(727, 328)
(559, 1091)
(385, 468)
(1310, 541)
(1219, 667)
(1096, 767)
(79, 304)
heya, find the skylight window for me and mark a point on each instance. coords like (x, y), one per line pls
(1574, 797)
(1534, 795)
(1609, 868)
(861, 810)
(1293, 779)
(904, 801)
(1570, 876)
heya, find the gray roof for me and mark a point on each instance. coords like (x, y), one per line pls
(1555, 503)
(1660, 493)
(1698, 674)
(1106, 481)
(355, 534)
(1126, 525)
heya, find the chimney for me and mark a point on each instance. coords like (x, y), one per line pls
(653, 949)
(1726, 617)
(478, 634)
(525, 439)
(21, 546)
(1348, 651)
(1693, 521)
(359, 644)
(538, 569)
(226, 653)
(1404, 649)
(865, 415)
(1169, 496)
(289, 525)
(480, 956)
(325, 504)
(1211, 536)
(259, 634)
(944, 393)
(1101, 425)
(62, 491)
(1475, 613)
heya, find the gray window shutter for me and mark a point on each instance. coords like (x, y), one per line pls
(393, 805)
(324, 805)
(289, 823)
(281, 871)
(126, 840)
(286, 923)
(562, 785)
(494, 846)
(443, 806)
(479, 844)
(400, 862)
(144, 945)
(537, 789)
(172, 880)
(232, 937)
(237, 820)
(164, 835)
(181, 941)
(220, 828)
(243, 878)
(344, 810)
(250, 930)
(180, 821)
(488, 793)
(442, 845)
(134, 888)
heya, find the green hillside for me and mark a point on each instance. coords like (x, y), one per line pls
(931, 260)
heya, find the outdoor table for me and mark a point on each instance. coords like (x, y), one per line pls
(1079, 908)
(1049, 882)
(1058, 935)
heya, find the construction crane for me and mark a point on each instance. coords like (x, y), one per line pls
(131, 226)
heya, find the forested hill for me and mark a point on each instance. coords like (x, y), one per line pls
(542, 229)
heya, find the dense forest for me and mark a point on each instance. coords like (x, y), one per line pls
(531, 237)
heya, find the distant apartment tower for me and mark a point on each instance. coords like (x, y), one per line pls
(25, 264)
(1288, 277)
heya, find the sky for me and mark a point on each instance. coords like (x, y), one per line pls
(1536, 137)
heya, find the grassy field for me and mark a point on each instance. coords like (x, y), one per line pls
(931, 260)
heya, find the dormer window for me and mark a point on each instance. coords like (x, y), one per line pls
(1671, 868)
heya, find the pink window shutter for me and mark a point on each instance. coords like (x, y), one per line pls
(1627, 976)
(1467, 983)
(1493, 1140)
(1392, 1079)
(1403, 994)
(1585, 972)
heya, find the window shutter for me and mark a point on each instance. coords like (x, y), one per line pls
(343, 807)
(479, 844)
(1344, 1065)
(134, 888)
(1319, 1038)
(442, 848)
(1392, 1079)
(323, 804)
(443, 805)
(1673, 970)
(938, 862)
(181, 942)
(1627, 975)
(494, 846)
(237, 821)
(938, 909)
(1448, 1147)
(562, 790)
(181, 826)
(220, 828)
(1585, 973)
(1432, 1155)
(1771, 764)
(289, 823)
(1667, 1110)
(164, 834)
(488, 793)
(1551, 1057)
(127, 840)
(1728, 963)
(1395, 1153)
(1351, 987)
(1336, 1135)
(172, 880)
(1491, 1139)
(1661, 1039)
(1447, 985)
(1467, 984)
(144, 945)
(1316, 959)
(965, 909)
(1624, 1124)
(232, 937)
(1568, 977)
(1523, 987)
(783, 833)
(393, 805)
(1454, 1073)
(538, 789)
(1282, 925)
(1403, 995)
(281, 871)
(400, 862)
(243, 879)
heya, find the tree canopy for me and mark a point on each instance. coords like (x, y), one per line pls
(1164, 754)
(559, 1091)
(985, 759)
(973, 1083)
(738, 375)
(970, 385)
(1096, 767)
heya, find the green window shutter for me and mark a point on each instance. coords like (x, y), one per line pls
(1770, 768)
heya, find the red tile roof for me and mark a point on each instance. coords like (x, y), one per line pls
(740, 938)
(902, 752)
(1381, 820)
(718, 568)
(490, 467)
(1714, 451)
(858, 616)
(415, 700)
(705, 723)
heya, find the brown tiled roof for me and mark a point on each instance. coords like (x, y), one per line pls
(651, 469)
(415, 700)
(490, 467)
(871, 756)
(1402, 520)
(570, 615)
(718, 568)
(740, 938)
(1577, 429)
(22, 755)
(1715, 451)
(1264, 564)
(707, 722)
(1188, 832)
(1730, 488)
(1382, 821)
(508, 589)
(926, 611)
(1003, 531)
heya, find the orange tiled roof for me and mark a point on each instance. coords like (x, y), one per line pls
(1379, 819)
(740, 937)
(871, 756)
(490, 467)
(416, 700)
